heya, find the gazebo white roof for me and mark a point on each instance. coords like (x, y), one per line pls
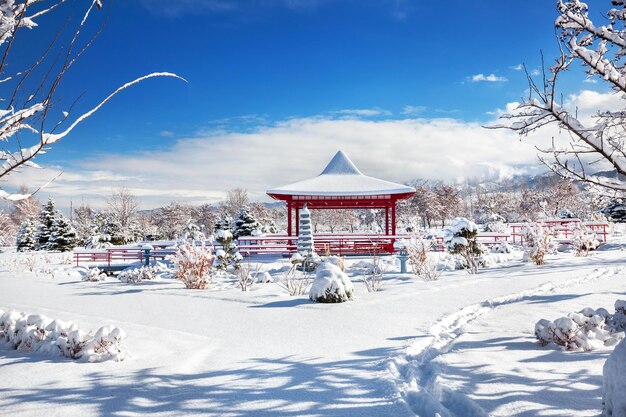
(341, 178)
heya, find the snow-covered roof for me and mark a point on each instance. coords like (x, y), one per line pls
(341, 178)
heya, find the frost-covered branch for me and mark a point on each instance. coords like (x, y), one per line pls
(601, 50)
(26, 120)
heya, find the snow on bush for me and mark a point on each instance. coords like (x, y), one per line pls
(373, 280)
(295, 281)
(614, 383)
(264, 278)
(331, 285)
(193, 265)
(537, 244)
(136, 275)
(460, 239)
(586, 330)
(584, 240)
(338, 261)
(37, 333)
(502, 247)
(228, 255)
(94, 275)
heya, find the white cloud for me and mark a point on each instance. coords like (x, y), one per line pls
(166, 133)
(489, 78)
(517, 67)
(202, 168)
(413, 110)
(535, 72)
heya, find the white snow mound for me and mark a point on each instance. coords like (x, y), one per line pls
(614, 383)
(331, 285)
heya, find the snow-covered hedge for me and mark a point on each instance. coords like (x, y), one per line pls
(537, 244)
(331, 285)
(94, 275)
(145, 273)
(586, 330)
(614, 383)
(37, 333)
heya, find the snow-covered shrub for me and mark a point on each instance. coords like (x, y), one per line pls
(431, 270)
(614, 383)
(497, 225)
(461, 240)
(264, 278)
(338, 261)
(228, 255)
(502, 247)
(618, 320)
(37, 333)
(373, 280)
(136, 275)
(586, 330)
(193, 265)
(295, 281)
(331, 285)
(94, 275)
(246, 276)
(584, 240)
(191, 232)
(537, 244)
(417, 249)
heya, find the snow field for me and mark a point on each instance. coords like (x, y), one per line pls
(224, 352)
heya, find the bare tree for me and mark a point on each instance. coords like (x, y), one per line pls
(600, 50)
(123, 208)
(27, 208)
(28, 124)
(235, 200)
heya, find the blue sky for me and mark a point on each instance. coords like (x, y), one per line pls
(257, 68)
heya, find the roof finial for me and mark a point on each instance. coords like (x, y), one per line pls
(341, 165)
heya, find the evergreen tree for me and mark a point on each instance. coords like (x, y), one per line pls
(62, 235)
(244, 223)
(26, 236)
(223, 223)
(46, 220)
(615, 210)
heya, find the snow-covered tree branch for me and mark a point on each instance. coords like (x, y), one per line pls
(29, 98)
(591, 146)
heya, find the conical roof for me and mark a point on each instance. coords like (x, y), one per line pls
(341, 178)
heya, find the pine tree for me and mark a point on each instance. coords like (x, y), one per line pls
(26, 236)
(223, 223)
(46, 220)
(62, 235)
(244, 223)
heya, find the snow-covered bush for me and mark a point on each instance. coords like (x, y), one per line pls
(264, 278)
(537, 244)
(136, 275)
(614, 383)
(331, 285)
(586, 330)
(431, 270)
(338, 261)
(295, 281)
(228, 255)
(460, 239)
(94, 275)
(246, 276)
(191, 232)
(373, 280)
(417, 249)
(497, 225)
(584, 240)
(502, 247)
(37, 333)
(193, 265)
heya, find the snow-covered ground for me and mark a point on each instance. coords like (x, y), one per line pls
(460, 346)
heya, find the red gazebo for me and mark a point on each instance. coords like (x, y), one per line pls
(342, 186)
